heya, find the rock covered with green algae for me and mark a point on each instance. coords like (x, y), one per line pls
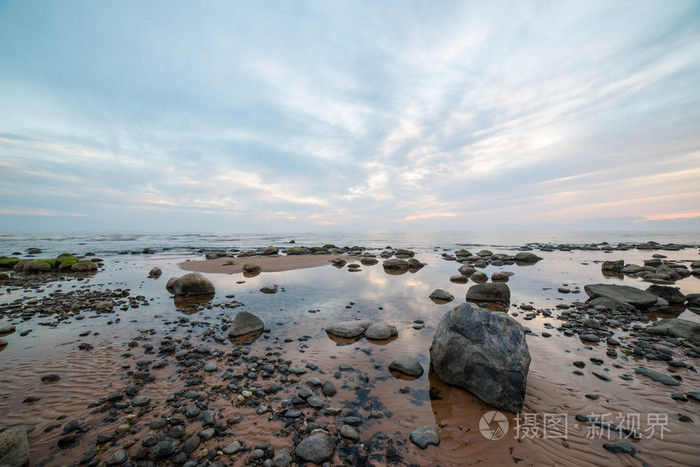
(64, 262)
(14, 446)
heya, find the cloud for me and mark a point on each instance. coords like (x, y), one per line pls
(340, 114)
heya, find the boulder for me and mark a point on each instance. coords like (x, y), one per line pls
(245, 323)
(192, 283)
(251, 267)
(676, 327)
(672, 295)
(613, 266)
(84, 266)
(14, 446)
(484, 353)
(498, 292)
(459, 279)
(407, 365)
(297, 250)
(348, 329)
(269, 251)
(381, 331)
(526, 257)
(395, 264)
(442, 295)
(479, 277)
(317, 448)
(624, 293)
(466, 270)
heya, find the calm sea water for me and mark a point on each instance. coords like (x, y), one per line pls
(111, 243)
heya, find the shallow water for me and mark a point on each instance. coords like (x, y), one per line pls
(338, 295)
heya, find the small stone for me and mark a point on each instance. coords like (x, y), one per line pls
(141, 401)
(191, 444)
(348, 432)
(118, 458)
(232, 448)
(620, 447)
(424, 437)
(406, 365)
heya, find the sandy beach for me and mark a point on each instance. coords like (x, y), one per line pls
(152, 377)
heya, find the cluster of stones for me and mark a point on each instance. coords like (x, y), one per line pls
(71, 304)
(656, 270)
(485, 258)
(605, 246)
(614, 307)
(64, 262)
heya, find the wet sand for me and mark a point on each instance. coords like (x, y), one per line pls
(121, 340)
(266, 263)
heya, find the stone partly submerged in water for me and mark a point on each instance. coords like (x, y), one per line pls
(348, 329)
(192, 283)
(381, 331)
(424, 437)
(407, 365)
(498, 292)
(526, 257)
(483, 352)
(245, 323)
(623, 293)
(14, 446)
(676, 327)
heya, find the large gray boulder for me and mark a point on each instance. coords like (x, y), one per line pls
(498, 292)
(483, 352)
(192, 283)
(348, 329)
(245, 323)
(676, 327)
(14, 446)
(624, 293)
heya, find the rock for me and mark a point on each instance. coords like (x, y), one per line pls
(612, 304)
(526, 257)
(414, 264)
(3, 344)
(269, 251)
(192, 283)
(459, 279)
(624, 293)
(232, 448)
(296, 250)
(672, 295)
(592, 323)
(613, 266)
(348, 432)
(380, 331)
(424, 437)
(349, 329)
(484, 353)
(489, 293)
(658, 377)
(500, 276)
(442, 295)
(6, 329)
(118, 458)
(282, 458)
(209, 367)
(589, 338)
(466, 270)
(693, 300)
(84, 267)
(317, 448)
(328, 389)
(14, 446)
(251, 267)
(269, 289)
(245, 323)
(164, 449)
(479, 277)
(676, 327)
(50, 378)
(141, 401)
(155, 273)
(407, 365)
(396, 264)
(620, 447)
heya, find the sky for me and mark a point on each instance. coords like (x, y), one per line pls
(396, 115)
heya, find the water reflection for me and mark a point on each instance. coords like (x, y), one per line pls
(191, 304)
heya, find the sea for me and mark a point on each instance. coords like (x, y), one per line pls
(177, 242)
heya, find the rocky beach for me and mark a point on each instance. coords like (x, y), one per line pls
(287, 352)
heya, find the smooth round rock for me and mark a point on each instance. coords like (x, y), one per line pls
(317, 448)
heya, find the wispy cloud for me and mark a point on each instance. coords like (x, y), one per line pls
(350, 115)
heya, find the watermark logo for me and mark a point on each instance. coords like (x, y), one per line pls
(493, 425)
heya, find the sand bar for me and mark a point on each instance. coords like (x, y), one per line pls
(266, 263)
